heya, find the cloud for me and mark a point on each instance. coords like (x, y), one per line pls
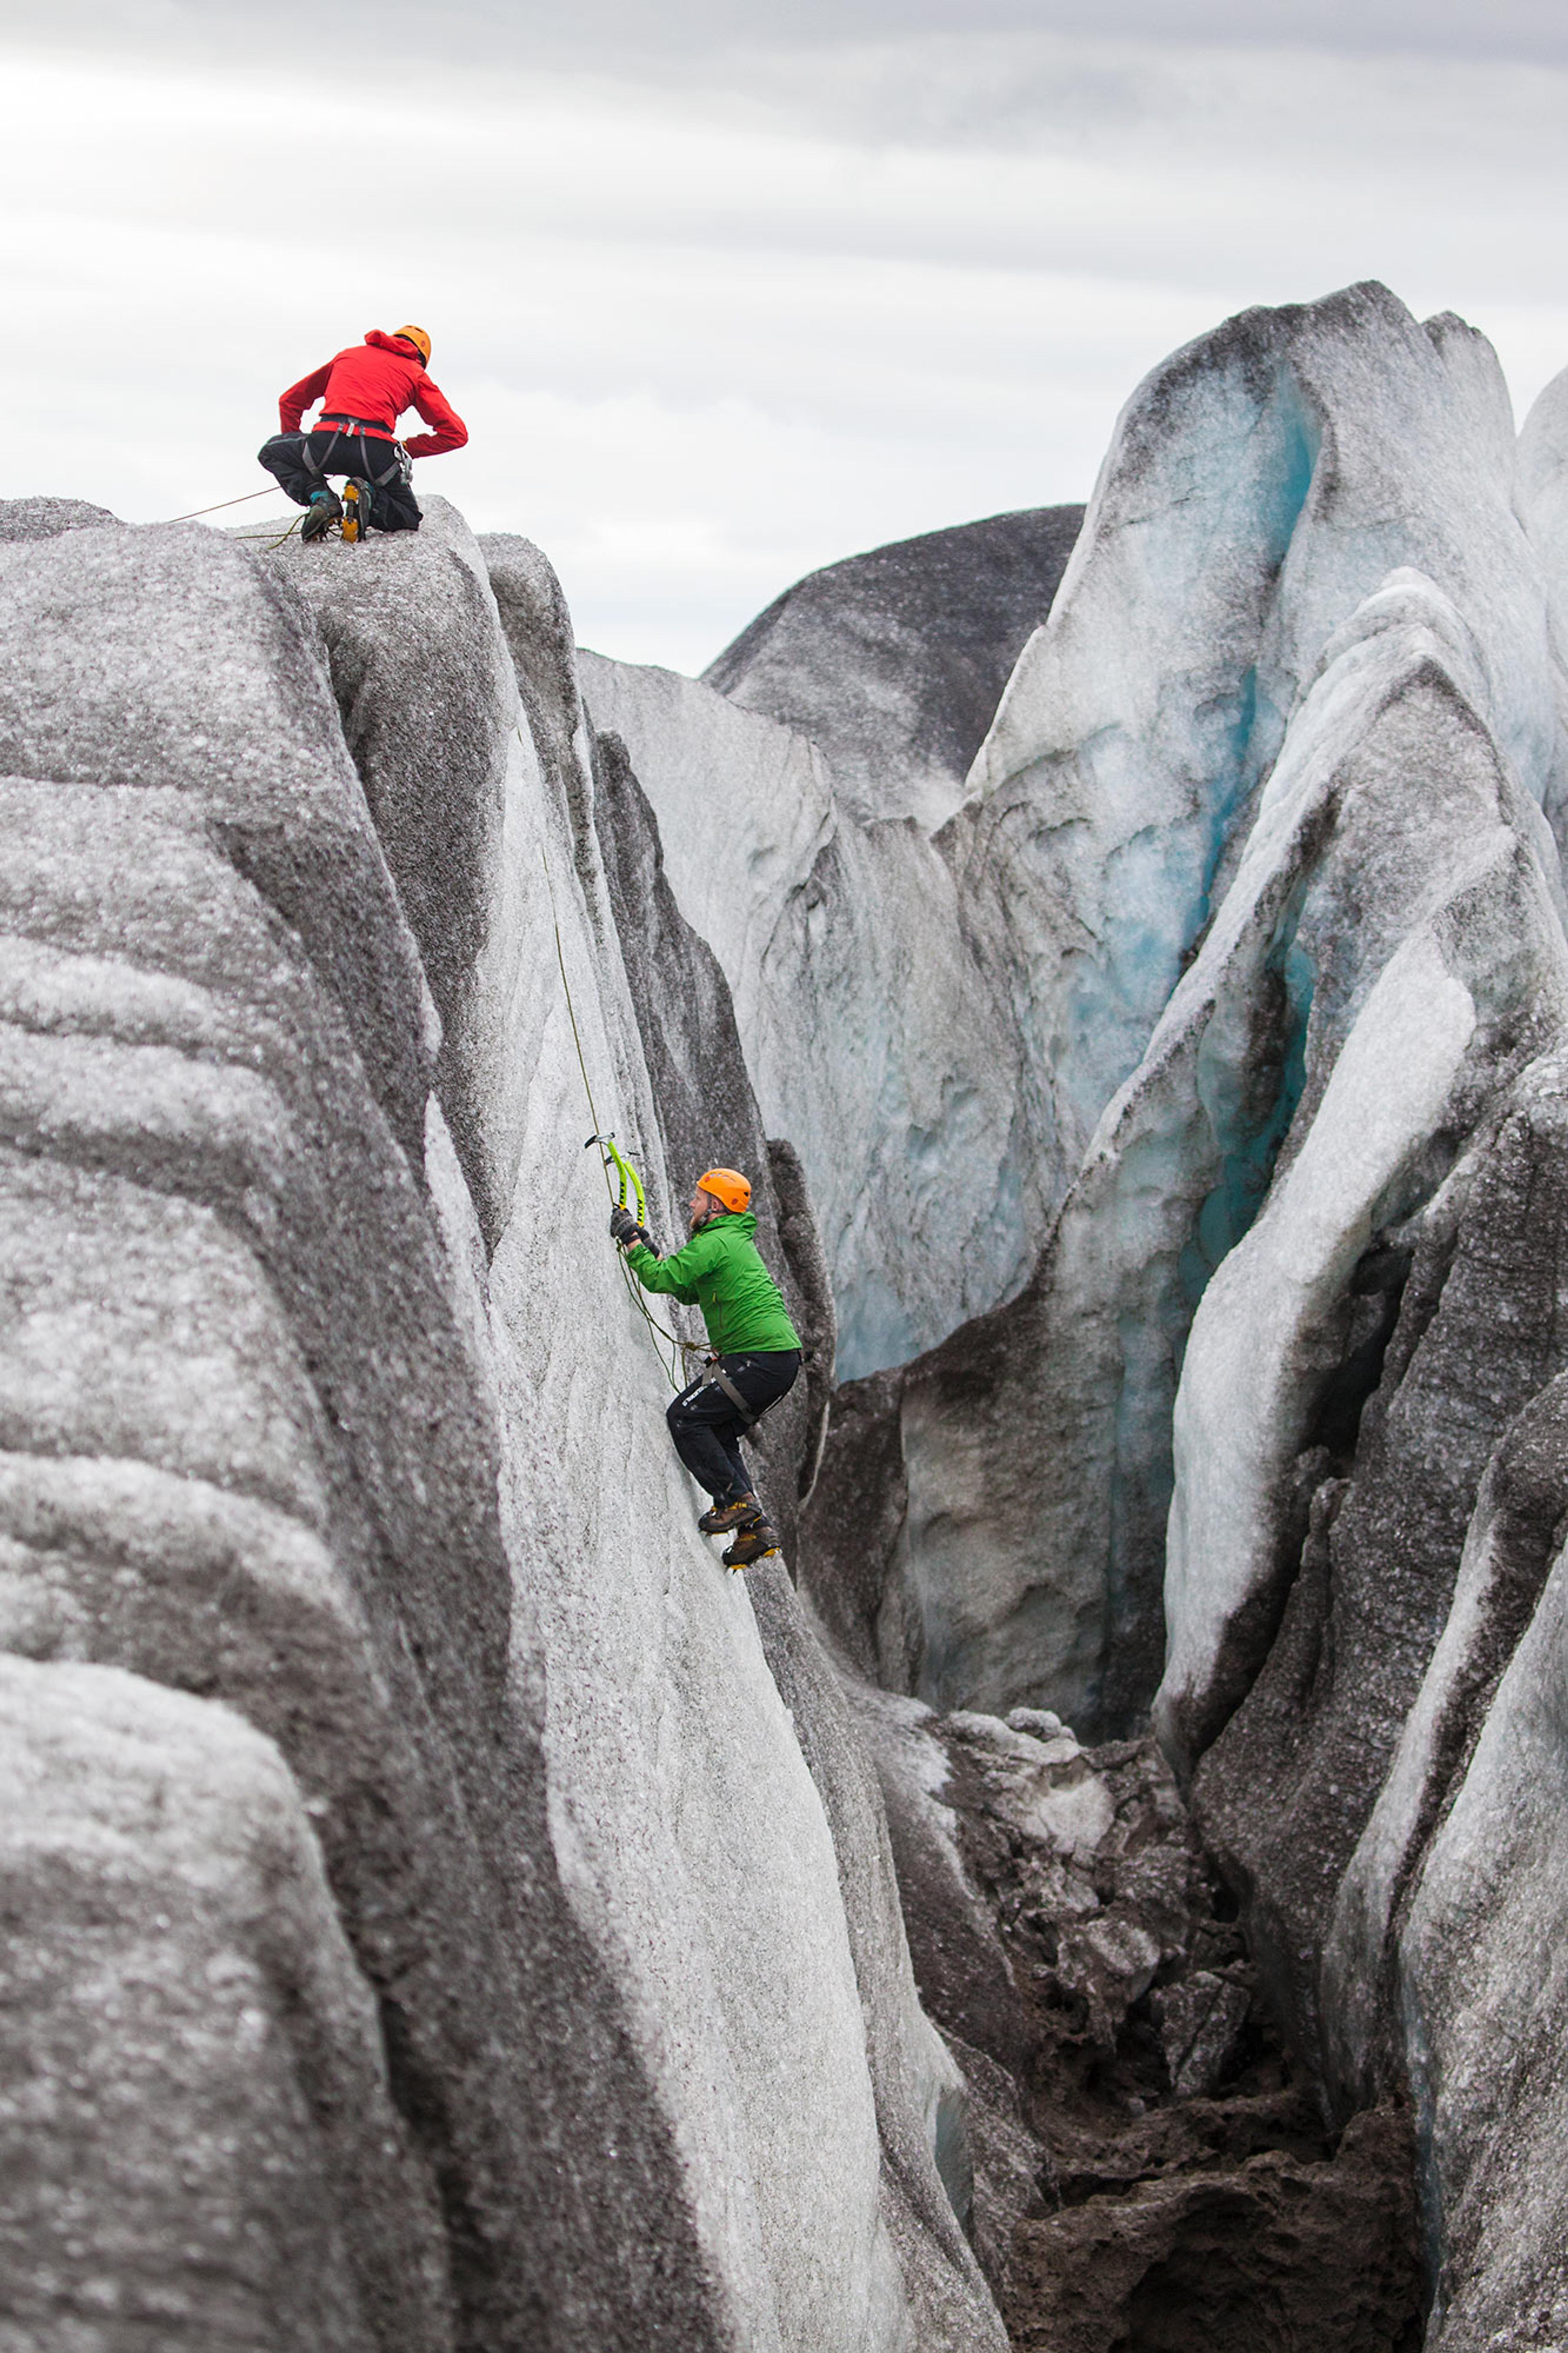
(611, 33)
(715, 323)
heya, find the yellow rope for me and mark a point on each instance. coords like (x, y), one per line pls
(264, 539)
(656, 1331)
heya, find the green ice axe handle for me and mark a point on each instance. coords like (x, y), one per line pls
(628, 1174)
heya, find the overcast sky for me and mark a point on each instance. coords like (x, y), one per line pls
(727, 291)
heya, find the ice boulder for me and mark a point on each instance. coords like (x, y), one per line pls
(200, 2141)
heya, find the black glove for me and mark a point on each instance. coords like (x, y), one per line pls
(624, 1229)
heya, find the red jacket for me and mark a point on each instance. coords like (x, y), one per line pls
(375, 381)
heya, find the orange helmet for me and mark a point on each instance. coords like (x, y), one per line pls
(728, 1185)
(419, 338)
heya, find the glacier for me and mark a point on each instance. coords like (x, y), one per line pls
(1220, 1454)
(1114, 1858)
(293, 1140)
(817, 867)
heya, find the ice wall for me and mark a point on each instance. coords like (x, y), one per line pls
(408, 1810)
(980, 973)
(892, 663)
(801, 789)
(1260, 485)
(1185, 941)
(1369, 1483)
(1282, 772)
(873, 1042)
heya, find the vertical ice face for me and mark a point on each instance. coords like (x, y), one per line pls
(1035, 1444)
(1265, 1334)
(1139, 719)
(1260, 485)
(975, 996)
(874, 1042)
(385, 1753)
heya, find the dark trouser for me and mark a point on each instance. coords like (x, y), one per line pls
(301, 462)
(707, 1424)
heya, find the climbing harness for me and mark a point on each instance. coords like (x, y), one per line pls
(348, 430)
(359, 490)
(721, 1380)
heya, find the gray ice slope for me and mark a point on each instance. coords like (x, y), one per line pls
(563, 2020)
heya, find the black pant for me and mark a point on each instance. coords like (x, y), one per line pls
(393, 505)
(706, 1423)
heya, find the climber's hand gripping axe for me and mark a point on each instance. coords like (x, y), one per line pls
(614, 1157)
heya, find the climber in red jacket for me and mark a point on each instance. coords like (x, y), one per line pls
(362, 392)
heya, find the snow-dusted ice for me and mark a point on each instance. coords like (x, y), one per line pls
(427, 1871)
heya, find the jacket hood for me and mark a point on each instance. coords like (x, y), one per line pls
(382, 343)
(744, 1220)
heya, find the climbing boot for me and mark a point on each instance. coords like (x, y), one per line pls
(728, 1519)
(754, 1543)
(326, 509)
(359, 497)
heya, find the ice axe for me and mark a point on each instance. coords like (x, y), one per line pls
(628, 1174)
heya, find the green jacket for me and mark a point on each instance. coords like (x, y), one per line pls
(720, 1271)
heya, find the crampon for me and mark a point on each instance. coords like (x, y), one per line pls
(728, 1519)
(756, 1542)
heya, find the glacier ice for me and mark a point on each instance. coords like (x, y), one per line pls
(849, 936)
(892, 663)
(977, 993)
(325, 1408)
(1264, 1333)
(1180, 1096)
(1020, 1583)
(1313, 1062)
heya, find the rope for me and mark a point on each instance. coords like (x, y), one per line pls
(269, 492)
(264, 539)
(657, 1332)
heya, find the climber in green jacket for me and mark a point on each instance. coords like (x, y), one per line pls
(756, 1350)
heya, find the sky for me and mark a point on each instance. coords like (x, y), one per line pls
(727, 291)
